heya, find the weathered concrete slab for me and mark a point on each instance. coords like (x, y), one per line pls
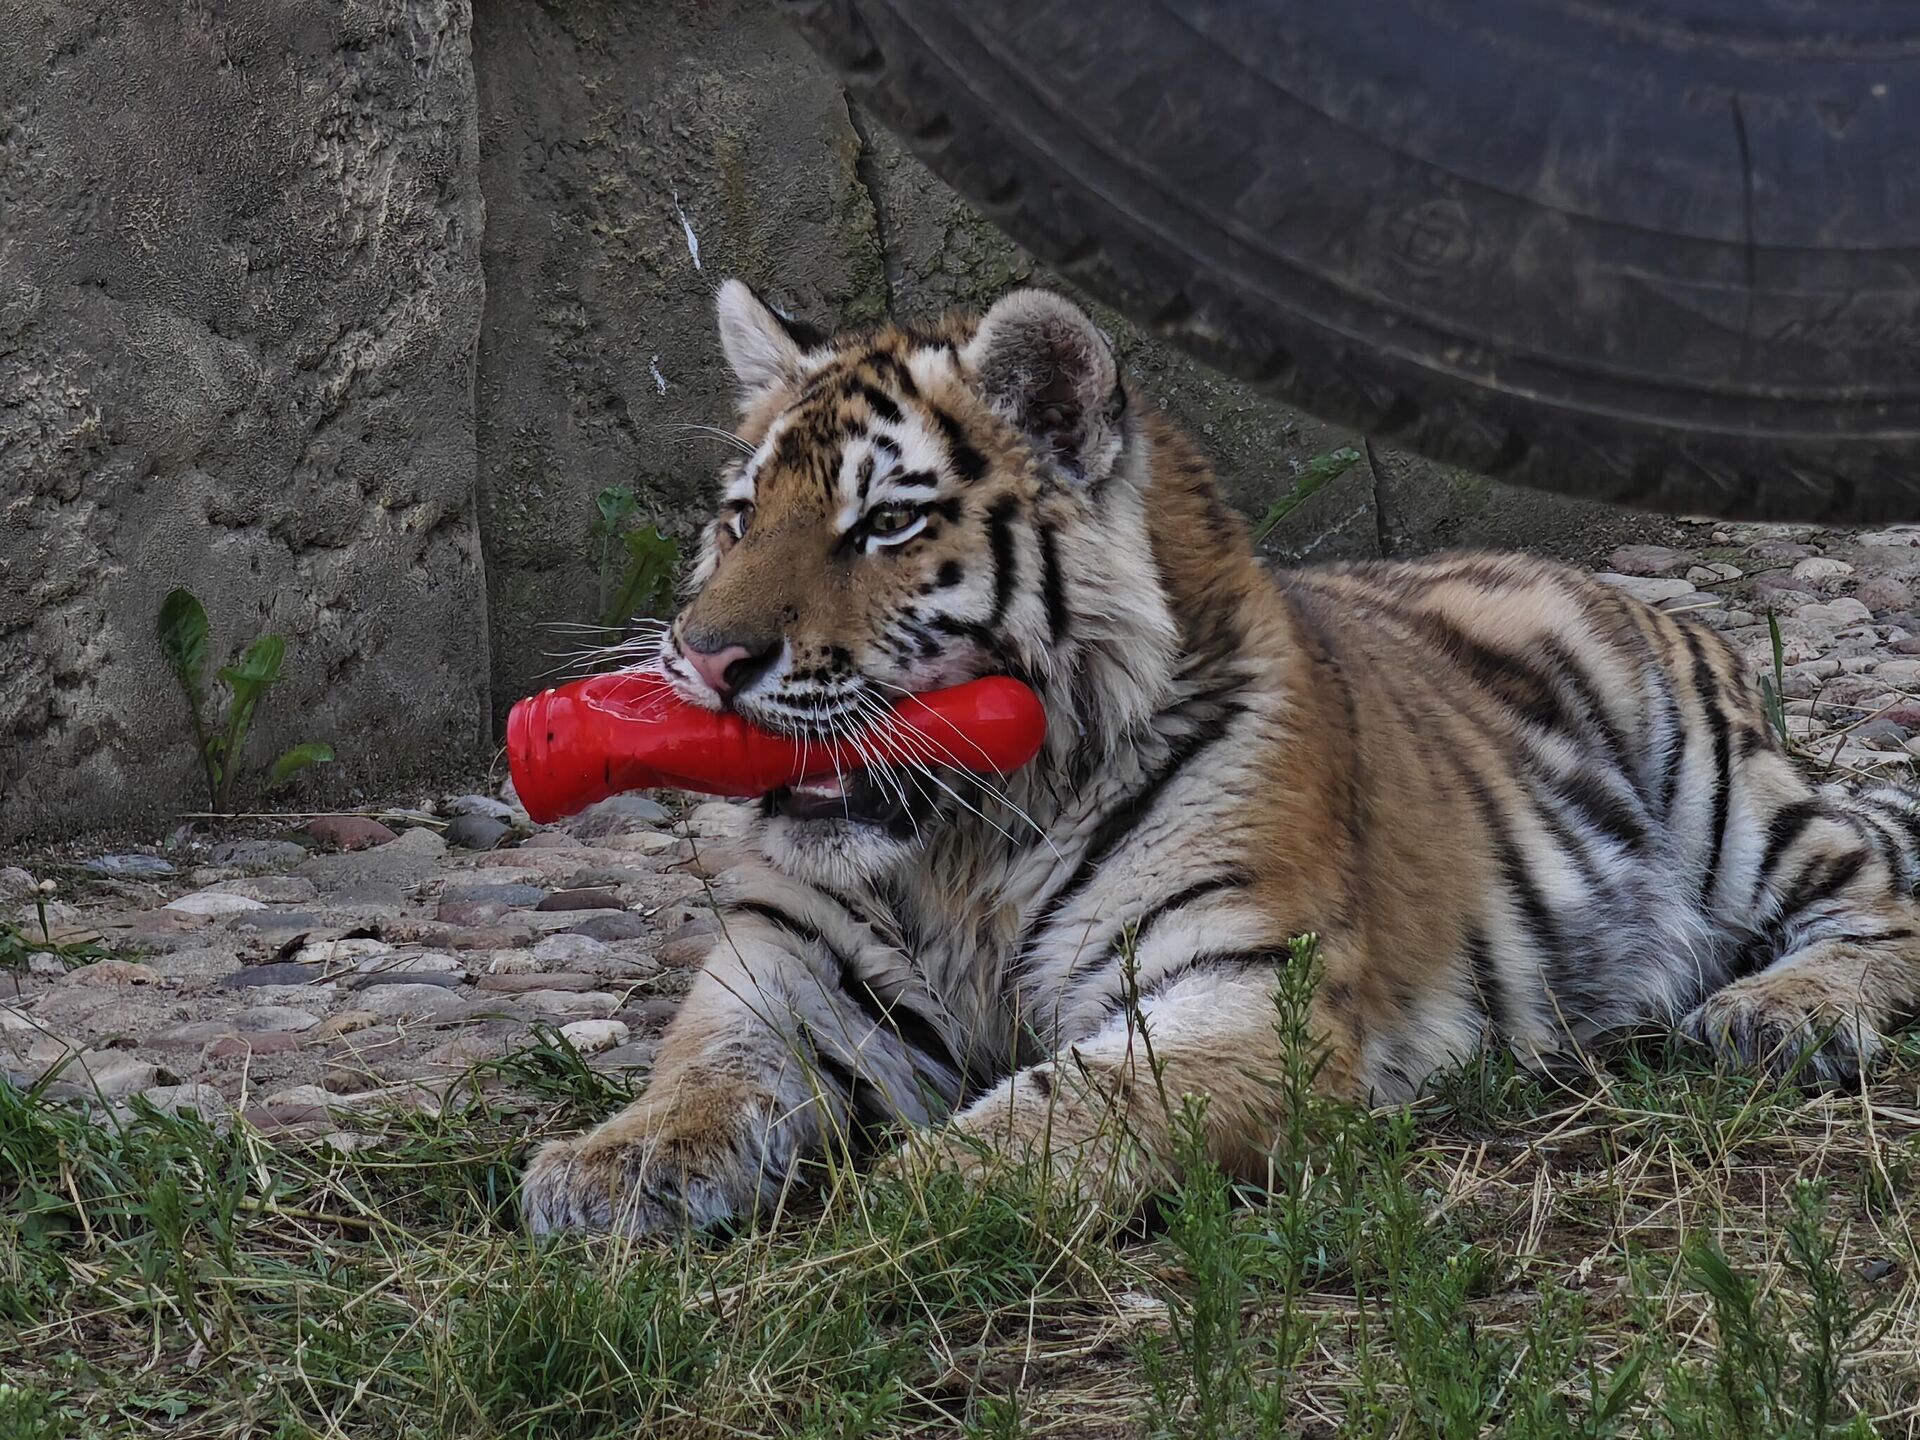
(239, 298)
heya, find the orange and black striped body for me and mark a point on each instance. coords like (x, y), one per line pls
(1518, 808)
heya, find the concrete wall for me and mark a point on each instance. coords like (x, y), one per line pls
(239, 300)
(243, 254)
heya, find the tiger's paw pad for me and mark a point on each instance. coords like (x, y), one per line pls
(1787, 1031)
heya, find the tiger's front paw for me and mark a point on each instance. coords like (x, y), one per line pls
(1034, 1133)
(1782, 1024)
(651, 1170)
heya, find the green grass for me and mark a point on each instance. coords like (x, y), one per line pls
(1643, 1249)
(19, 943)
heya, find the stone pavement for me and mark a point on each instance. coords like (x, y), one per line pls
(328, 978)
(351, 971)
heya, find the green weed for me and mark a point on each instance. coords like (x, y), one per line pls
(1319, 472)
(221, 734)
(636, 567)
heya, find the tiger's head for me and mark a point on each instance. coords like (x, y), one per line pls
(912, 509)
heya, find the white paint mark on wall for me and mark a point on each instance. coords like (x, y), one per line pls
(693, 240)
(659, 380)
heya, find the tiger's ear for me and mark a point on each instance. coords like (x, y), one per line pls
(1041, 364)
(764, 348)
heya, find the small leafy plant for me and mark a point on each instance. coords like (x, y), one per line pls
(636, 566)
(1321, 471)
(1773, 687)
(221, 738)
(18, 947)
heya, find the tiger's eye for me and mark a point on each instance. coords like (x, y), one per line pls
(740, 520)
(890, 519)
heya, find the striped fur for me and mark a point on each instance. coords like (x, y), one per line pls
(1518, 808)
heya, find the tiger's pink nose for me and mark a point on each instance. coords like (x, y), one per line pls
(728, 668)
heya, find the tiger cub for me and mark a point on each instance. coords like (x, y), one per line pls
(1517, 807)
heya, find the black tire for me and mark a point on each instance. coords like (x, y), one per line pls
(1661, 252)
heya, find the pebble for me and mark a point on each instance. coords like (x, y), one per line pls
(208, 1102)
(1898, 672)
(300, 1095)
(511, 962)
(258, 1042)
(470, 1049)
(1648, 560)
(409, 1001)
(1881, 593)
(112, 972)
(269, 889)
(471, 913)
(654, 1011)
(97, 1007)
(493, 937)
(647, 842)
(190, 1036)
(723, 819)
(1775, 590)
(129, 867)
(412, 859)
(566, 1004)
(1880, 733)
(637, 1055)
(277, 1119)
(590, 1037)
(17, 885)
(335, 953)
(423, 962)
(1779, 550)
(618, 815)
(612, 925)
(513, 897)
(125, 1075)
(274, 920)
(1818, 570)
(446, 980)
(476, 832)
(603, 877)
(348, 832)
(595, 899)
(1714, 574)
(279, 973)
(347, 1022)
(565, 949)
(482, 805)
(211, 903)
(274, 1017)
(507, 983)
(1835, 613)
(1650, 590)
(1900, 537)
(259, 854)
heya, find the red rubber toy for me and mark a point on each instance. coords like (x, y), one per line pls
(580, 743)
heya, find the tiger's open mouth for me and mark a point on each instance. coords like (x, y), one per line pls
(859, 799)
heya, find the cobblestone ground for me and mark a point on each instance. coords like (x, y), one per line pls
(325, 981)
(321, 979)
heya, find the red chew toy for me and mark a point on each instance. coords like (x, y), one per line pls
(580, 743)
